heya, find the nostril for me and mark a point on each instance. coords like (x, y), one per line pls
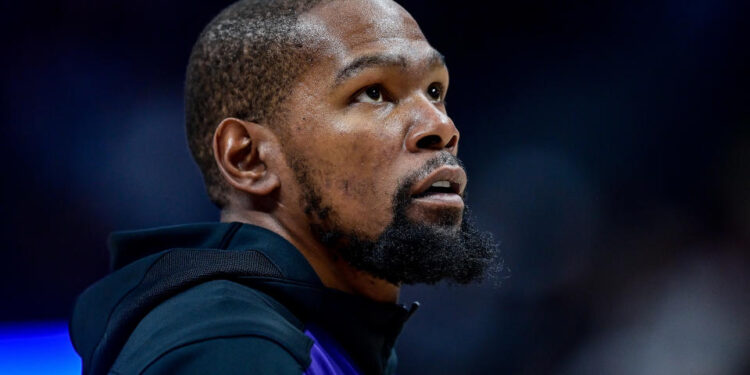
(430, 141)
(452, 143)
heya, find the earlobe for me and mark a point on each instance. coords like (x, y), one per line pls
(237, 146)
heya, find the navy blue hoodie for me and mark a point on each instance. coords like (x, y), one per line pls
(226, 298)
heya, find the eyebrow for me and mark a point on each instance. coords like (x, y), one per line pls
(381, 60)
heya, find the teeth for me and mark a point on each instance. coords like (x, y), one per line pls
(442, 184)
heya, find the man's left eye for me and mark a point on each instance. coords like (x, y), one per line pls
(435, 91)
(371, 94)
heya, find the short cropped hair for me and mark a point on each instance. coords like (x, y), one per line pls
(243, 65)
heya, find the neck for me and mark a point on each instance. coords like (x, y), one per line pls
(332, 270)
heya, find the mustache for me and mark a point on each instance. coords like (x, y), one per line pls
(442, 159)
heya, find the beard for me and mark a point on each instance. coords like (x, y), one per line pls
(406, 252)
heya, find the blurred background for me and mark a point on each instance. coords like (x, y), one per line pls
(607, 145)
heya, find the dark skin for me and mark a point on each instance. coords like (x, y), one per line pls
(369, 112)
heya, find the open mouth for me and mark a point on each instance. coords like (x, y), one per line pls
(439, 187)
(446, 180)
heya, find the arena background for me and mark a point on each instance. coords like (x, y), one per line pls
(607, 145)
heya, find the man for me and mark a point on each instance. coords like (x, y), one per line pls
(320, 128)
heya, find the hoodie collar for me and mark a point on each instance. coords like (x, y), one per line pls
(365, 328)
(129, 246)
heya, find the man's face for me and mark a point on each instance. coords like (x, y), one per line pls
(357, 117)
(367, 134)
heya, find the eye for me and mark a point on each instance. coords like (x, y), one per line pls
(371, 94)
(435, 91)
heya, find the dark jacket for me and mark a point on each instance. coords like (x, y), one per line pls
(226, 298)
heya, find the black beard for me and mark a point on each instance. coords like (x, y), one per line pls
(409, 252)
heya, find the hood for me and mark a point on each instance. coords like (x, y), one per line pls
(150, 266)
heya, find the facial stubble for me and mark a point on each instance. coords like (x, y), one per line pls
(406, 252)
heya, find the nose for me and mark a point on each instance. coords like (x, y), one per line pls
(431, 129)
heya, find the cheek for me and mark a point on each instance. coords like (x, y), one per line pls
(366, 174)
(353, 159)
(361, 157)
(366, 170)
(361, 180)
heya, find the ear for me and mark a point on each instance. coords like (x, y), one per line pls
(239, 150)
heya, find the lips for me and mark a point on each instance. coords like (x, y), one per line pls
(446, 179)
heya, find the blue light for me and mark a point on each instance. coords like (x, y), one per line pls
(37, 348)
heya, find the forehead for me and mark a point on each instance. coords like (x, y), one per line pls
(343, 30)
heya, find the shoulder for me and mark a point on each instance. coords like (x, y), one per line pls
(217, 326)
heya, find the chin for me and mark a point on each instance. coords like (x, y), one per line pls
(445, 218)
